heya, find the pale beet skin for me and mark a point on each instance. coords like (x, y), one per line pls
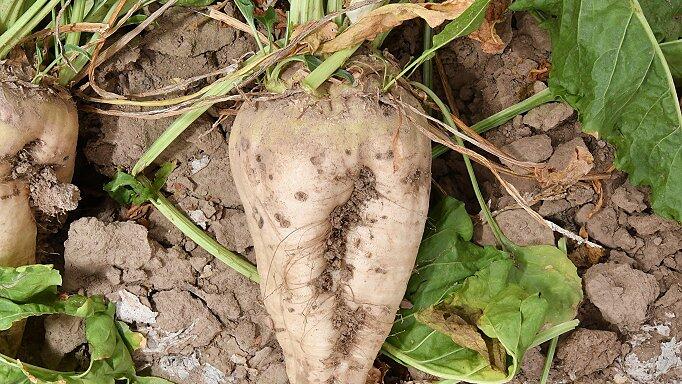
(336, 193)
(38, 128)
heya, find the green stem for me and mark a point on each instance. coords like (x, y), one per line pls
(335, 6)
(25, 24)
(505, 115)
(184, 224)
(303, 11)
(548, 360)
(497, 232)
(219, 88)
(320, 74)
(72, 39)
(9, 12)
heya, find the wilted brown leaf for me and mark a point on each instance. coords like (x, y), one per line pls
(460, 325)
(579, 165)
(586, 256)
(323, 34)
(487, 34)
(389, 16)
(459, 330)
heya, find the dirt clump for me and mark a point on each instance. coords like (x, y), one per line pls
(519, 226)
(586, 351)
(548, 116)
(63, 334)
(535, 148)
(49, 196)
(190, 310)
(621, 293)
(531, 367)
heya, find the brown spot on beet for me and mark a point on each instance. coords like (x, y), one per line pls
(384, 156)
(260, 222)
(259, 158)
(414, 178)
(316, 160)
(301, 196)
(270, 176)
(283, 222)
(348, 152)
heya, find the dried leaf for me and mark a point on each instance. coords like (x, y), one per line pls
(321, 35)
(461, 331)
(487, 34)
(390, 16)
(586, 256)
(578, 166)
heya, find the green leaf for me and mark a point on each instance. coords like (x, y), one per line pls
(151, 380)
(102, 334)
(470, 307)
(664, 17)
(247, 9)
(463, 25)
(75, 305)
(22, 283)
(268, 19)
(673, 56)
(74, 48)
(312, 62)
(109, 342)
(606, 63)
(126, 189)
(133, 340)
(547, 270)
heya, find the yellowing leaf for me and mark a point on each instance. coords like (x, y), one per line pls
(390, 16)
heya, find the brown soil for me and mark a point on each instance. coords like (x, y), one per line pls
(206, 324)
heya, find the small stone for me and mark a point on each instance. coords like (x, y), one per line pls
(548, 116)
(565, 153)
(517, 121)
(578, 195)
(583, 213)
(646, 225)
(131, 310)
(552, 207)
(602, 226)
(197, 165)
(539, 86)
(199, 218)
(536, 148)
(189, 246)
(240, 360)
